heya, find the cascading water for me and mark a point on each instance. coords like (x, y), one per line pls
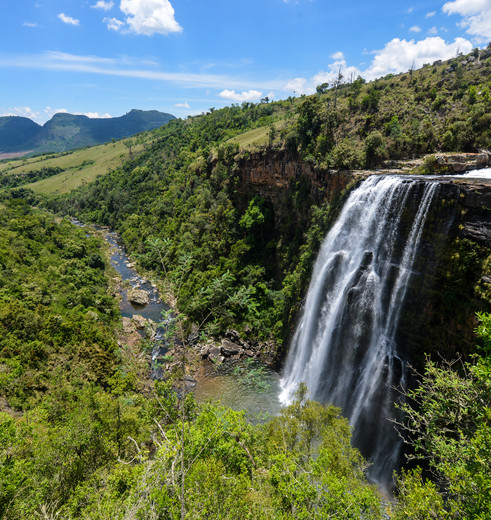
(344, 347)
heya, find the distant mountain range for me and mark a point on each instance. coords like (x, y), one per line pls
(67, 131)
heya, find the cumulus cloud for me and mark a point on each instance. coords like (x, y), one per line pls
(105, 6)
(68, 19)
(433, 31)
(182, 105)
(30, 24)
(430, 14)
(20, 112)
(415, 28)
(397, 56)
(296, 85)
(250, 95)
(476, 16)
(113, 24)
(330, 75)
(50, 112)
(150, 16)
(94, 115)
(400, 55)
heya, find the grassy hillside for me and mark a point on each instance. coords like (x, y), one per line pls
(67, 171)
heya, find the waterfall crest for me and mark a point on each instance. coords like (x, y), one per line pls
(344, 347)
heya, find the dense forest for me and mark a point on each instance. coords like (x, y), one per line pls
(86, 433)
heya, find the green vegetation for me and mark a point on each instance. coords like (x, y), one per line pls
(82, 435)
(85, 434)
(449, 426)
(65, 172)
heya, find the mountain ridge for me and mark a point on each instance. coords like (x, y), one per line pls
(65, 132)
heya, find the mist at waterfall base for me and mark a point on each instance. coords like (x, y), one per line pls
(344, 347)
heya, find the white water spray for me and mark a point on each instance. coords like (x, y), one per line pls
(344, 346)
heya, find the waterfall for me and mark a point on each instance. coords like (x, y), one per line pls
(344, 347)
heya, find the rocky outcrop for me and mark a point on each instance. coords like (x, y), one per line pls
(268, 172)
(234, 347)
(138, 297)
(460, 163)
(450, 281)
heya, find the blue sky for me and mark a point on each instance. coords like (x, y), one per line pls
(105, 57)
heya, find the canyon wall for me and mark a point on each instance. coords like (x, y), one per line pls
(452, 278)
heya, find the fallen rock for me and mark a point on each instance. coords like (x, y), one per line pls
(128, 326)
(215, 354)
(229, 348)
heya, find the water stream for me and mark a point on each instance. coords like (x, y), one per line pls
(252, 387)
(344, 347)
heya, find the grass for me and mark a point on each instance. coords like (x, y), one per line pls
(257, 137)
(80, 167)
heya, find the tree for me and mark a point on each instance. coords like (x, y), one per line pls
(449, 427)
(322, 89)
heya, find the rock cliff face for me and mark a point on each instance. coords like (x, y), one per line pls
(288, 185)
(268, 172)
(451, 281)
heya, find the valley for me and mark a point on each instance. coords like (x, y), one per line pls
(331, 236)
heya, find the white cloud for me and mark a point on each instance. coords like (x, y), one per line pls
(50, 112)
(94, 115)
(128, 68)
(415, 28)
(400, 55)
(296, 85)
(30, 24)
(113, 24)
(476, 17)
(430, 14)
(337, 56)
(68, 19)
(182, 105)
(105, 6)
(433, 31)
(397, 56)
(150, 16)
(250, 95)
(20, 112)
(410, 10)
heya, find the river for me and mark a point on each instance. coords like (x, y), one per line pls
(246, 385)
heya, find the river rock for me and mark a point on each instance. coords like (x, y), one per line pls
(215, 354)
(138, 297)
(128, 325)
(139, 321)
(229, 348)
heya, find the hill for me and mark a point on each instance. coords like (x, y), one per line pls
(66, 171)
(15, 131)
(67, 131)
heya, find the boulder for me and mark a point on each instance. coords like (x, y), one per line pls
(138, 297)
(139, 321)
(229, 348)
(128, 326)
(215, 354)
